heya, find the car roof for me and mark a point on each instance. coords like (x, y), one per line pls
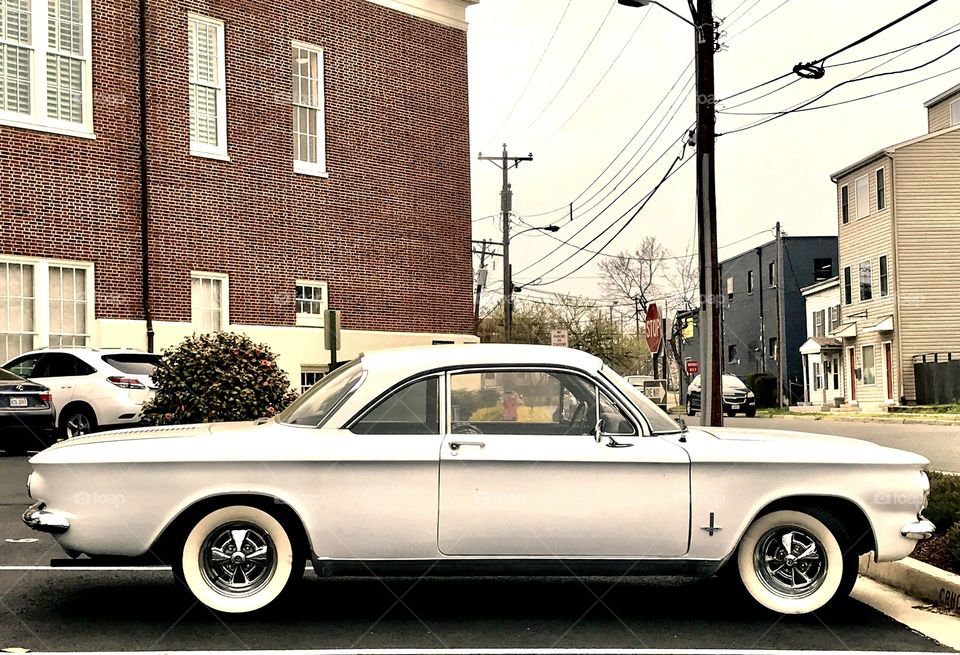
(421, 358)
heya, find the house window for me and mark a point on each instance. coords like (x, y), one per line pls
(884, 277)
(836, 372)
(309, 146)
(845, 204)
(732, 353)
(881, 190)
(730, 287)
(834, 317)
(816, 376)
(68, 306)
(847, 286)
(45, 73)
(863, 196)
(866, 281)
(869, 371)
(955, 112)
(208, 99)
(311, 302)
(772, 347)
(310, 375)
(822, 269)
(44, 303)
(772, 274)
(818, 321)
(749, 281)
(209, 301)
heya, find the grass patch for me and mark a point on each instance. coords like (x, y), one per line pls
(952, 408)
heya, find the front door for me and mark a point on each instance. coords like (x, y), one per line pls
(888, 368)
(521, 473)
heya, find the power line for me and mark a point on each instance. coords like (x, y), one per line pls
(526, 86)
(757, 21)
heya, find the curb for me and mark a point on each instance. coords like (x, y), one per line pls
(915, 578)
(862, 419)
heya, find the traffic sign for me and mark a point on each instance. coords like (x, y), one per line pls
(693, 366)
(558, 338)
(654, 333)
(656, 390)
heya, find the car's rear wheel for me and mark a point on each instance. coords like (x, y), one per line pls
(238, 559)
(77, 421)
(796, 562)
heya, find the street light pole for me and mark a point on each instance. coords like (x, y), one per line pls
(704, 42)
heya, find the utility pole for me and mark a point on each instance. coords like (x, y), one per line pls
(481, 281)
(505, 162)
(762, 359)
(781, 365)
(710, 326)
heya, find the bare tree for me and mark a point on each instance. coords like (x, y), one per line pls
(685, 280)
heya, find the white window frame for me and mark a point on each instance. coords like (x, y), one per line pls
(869, 264)
(311, 320)
(41, 294)
(308, 369)
(863, 208)
(37, 118)
(955, 112)
(318, 169)
(730, 286)
(202, 149)
(863, 365)
(224, 297)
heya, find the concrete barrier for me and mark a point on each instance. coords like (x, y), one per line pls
(917, 579)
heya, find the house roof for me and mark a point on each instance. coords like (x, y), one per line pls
(822, 285)
(890, 151)
(816, 344)
(946, 94)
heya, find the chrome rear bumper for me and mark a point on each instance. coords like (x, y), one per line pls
(920, 529)
(39, 519)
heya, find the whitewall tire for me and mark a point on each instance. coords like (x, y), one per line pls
(237, 559)
(791, 562)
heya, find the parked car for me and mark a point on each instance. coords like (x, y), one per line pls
(91, 388)
(638, 380)
(369, 472)
(737, 397)
(26, 414)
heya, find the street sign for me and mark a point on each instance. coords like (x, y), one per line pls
(558, 338)
(654, 332)
(693, 366)
(656, 390)
(331, 330)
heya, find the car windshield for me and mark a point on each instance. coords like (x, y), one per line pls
(659, 420)
(133, 363)
(7, 375)
(319, 402)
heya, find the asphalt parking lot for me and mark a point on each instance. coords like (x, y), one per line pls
(87, 610)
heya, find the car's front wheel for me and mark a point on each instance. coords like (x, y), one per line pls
(238, 559)
(796, 562)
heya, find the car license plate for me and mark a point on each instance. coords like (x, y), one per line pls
(734, 406)
(18, 402)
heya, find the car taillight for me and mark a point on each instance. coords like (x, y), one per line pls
(125, 383)
(46, 398)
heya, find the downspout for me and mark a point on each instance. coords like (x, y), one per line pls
(144, 179)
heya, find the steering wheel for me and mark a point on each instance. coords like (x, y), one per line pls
(465, 428)
(578, 420)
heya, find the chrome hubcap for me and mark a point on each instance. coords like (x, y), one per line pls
(78, 425)
(238, 559)
(790, 562)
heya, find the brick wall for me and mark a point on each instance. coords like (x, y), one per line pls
(389, 229)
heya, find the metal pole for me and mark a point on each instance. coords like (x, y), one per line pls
(507, 279)
(781, 368)
(712, 407)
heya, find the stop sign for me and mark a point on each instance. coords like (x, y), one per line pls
(654, 334)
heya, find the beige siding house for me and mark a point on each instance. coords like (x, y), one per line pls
(898, 213)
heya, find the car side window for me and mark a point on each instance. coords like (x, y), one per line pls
(412, 409)
(24, 366)
(529, 402)
(57, 365)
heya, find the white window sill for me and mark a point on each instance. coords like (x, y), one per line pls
(309, 320)
(80, 131)
(206, 154)
(312, 170)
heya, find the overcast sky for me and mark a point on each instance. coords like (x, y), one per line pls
(780, 171)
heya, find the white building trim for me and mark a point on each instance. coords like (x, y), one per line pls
(452, 13)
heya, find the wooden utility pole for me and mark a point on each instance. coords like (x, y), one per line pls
(782, 396)
(505, 162)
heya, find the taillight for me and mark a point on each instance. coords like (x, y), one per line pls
(46, 398)
(125, 383)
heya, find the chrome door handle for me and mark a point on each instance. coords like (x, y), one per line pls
(455, 445)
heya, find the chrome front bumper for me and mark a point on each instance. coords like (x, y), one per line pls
(39, 519)
(920, 529)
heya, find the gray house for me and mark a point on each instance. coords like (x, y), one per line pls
(748, 284)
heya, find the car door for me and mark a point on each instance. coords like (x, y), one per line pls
(48, 370)
(521, 473)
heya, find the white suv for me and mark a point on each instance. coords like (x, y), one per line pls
(91, 388)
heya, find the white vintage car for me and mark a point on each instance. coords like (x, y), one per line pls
(480, 459)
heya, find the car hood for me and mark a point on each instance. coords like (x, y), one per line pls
(782, 445)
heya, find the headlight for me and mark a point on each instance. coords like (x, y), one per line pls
(749, 394)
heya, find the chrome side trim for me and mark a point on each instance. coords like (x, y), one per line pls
(920, 529)
(39, 519)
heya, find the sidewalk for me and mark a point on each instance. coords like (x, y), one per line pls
(856, 417)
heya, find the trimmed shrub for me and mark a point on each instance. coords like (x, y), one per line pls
(944, 505)
(217, 377)
(953, 541)
(764, 387)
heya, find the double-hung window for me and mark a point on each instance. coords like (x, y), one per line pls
(209, 302)
(884, 277)
(818, 323)
(309, 147)
(845, 204)
(866, 281)
(863, 196)
(311, 302)
(881, 190)
(208, 98)
(68, 306)
(847, 286)
(45, 65)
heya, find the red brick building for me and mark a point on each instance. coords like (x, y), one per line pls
(297, 156)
